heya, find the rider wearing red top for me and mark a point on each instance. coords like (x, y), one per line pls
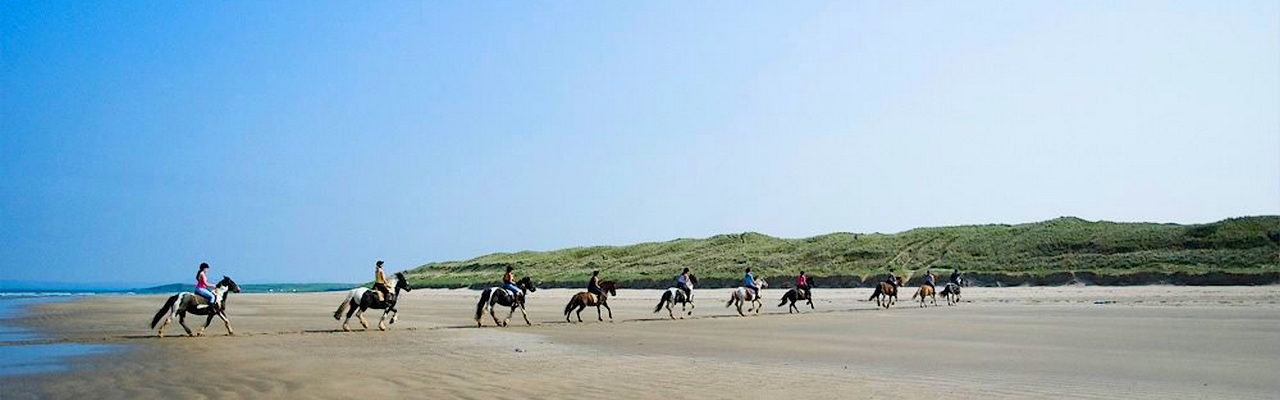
(202, 286)
(802, 283)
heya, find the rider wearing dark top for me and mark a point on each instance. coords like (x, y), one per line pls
(593, 286)
(892, 279)
(955, 276)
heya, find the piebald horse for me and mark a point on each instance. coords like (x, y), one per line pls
(885, 294)
(743, 295)
(186, 302)
(795, 294)
(675, 295)
(951, 293)
(499, 296)
(582, 300)
(925, 291)
(360, 299)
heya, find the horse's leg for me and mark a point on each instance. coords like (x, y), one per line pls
(606, 307)
(226, 322)
(673, 316)
(182, 320)
(493, 313)
(509, 314)
(360, 317)
(526, 315)
(207, 321)
(166, 322)
(382, 324)
(581, 306)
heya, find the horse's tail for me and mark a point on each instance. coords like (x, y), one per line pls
(919, 292)
(337, 315)
(730, 299)
(569, 306)
(484, 298)
(666, 296)
(168, 307)
(874, 294)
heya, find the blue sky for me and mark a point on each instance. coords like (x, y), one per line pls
(300, 142)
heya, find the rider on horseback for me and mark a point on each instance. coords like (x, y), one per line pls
(380, 283)
(593, 286)
(749, 281)
(202, 286)
(509, 282)
(802, 284)
(955, 276)
(892, 279)
(928, 278)
(683, 283)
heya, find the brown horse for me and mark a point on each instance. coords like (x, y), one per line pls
(925, 291)
(885, 294)
(583, 300)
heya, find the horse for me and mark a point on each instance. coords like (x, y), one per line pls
(501, 296)
(885, 294)
(744, 295)
(951, 293)
(360, 299)
(675, 295)
(583, 300)
(186, 302)
(925, 291)
(794, 295)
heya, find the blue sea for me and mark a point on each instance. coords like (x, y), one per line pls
(23, 351)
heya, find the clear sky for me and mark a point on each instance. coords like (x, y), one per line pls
(300, 142)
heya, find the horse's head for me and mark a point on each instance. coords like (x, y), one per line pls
(761, 283)
(693, 280)
(609, 287)
(402, 283)
(526, 284)
(229, 284)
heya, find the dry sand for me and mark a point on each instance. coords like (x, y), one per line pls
(1143, 342)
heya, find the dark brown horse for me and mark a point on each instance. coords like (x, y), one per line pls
(885, 294)
(796, 294)
(582, 300)
(925, 291)
(186, 302)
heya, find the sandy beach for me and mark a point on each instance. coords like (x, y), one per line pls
(1023, 342)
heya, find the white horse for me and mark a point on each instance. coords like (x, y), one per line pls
(675, 295)
(361, 298)
(744, 295)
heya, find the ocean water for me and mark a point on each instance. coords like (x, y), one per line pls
(22, 351)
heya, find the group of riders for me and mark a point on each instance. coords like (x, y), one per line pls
(383, 290)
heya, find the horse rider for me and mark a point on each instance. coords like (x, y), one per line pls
(955, 276)
(202, 286)
(593, 286)
(802, 284)
(509, 282)
(928, 278)
(749, 281)
(683, 283)
(892, 279)
(380, 282)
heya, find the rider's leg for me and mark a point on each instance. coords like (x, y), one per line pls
(204, 292)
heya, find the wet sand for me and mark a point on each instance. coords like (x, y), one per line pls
(1031, 342)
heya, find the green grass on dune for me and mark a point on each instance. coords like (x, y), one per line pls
(1248, 245)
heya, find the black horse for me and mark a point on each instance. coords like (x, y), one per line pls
(186, 302)
(674, 295)
(951, 292)
(796, 294)
(360, 299)
(499, 296)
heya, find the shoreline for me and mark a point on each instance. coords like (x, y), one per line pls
(289, 345)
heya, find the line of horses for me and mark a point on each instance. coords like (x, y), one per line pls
(361, 299)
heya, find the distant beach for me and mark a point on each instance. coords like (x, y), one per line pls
(1042, 342)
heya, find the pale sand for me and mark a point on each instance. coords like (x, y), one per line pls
(1148, 342)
